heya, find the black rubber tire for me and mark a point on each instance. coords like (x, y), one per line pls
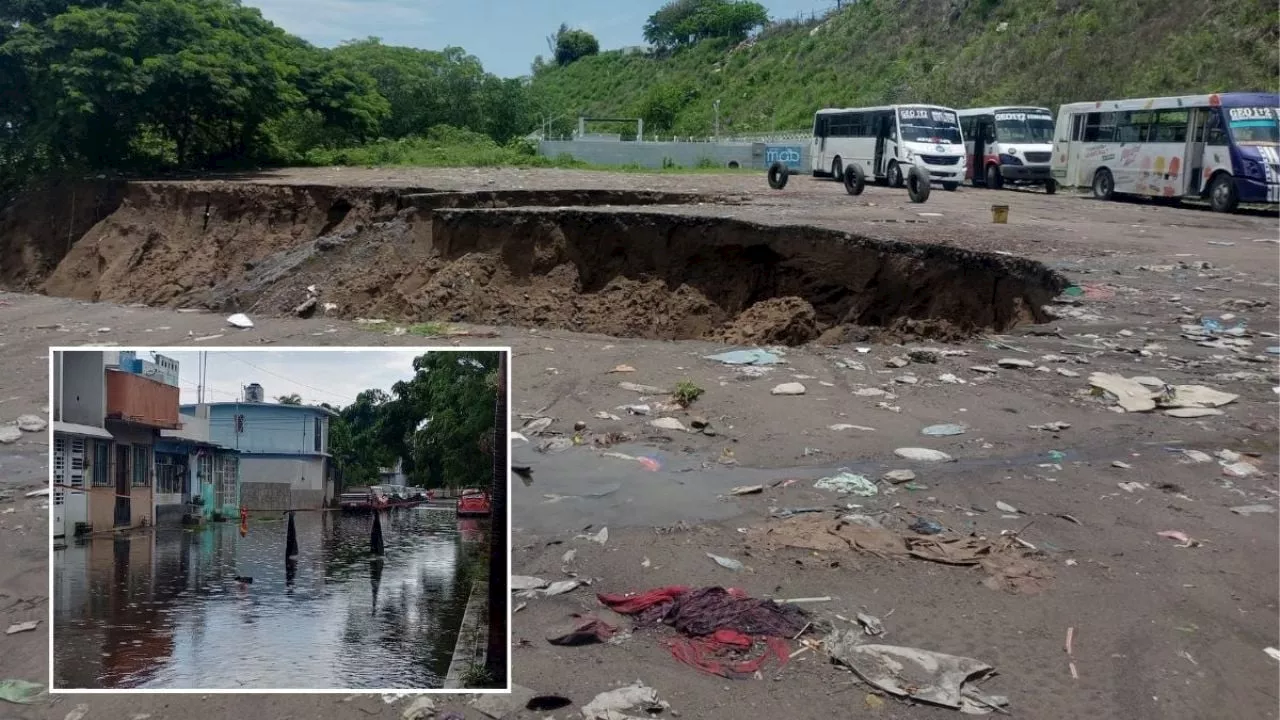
(1222, 194)
(837, 170)
(950, 186)
(855, 181)
(994, 180)
(1104, 185)
(918, 185)
(894, 175)
(778, 176)
(1050, 187)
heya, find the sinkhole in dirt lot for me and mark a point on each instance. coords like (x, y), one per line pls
(585, 260)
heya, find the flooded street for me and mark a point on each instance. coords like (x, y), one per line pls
(162, 608)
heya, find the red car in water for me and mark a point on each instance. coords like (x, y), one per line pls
(473, 503)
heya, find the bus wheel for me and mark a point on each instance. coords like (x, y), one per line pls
(994, 179)
(1104, 186)
(778, 176)
(837, 170)
(1050, 187)
(917, 185)
(855, 181)
(894, 176)
(1222, 193)
(950, 187)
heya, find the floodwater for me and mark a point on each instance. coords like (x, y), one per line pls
(162, 609)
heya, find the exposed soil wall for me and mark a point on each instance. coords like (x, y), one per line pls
(511, 257)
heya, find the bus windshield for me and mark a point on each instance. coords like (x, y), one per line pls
(1254, 126)
(1017, 127)
(929, 125)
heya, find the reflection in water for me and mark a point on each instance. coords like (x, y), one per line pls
(162, 608)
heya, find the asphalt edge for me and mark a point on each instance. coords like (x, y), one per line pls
(472, 646)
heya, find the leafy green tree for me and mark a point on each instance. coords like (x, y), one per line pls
(291, 399)
(453, 394)
(570, 44)
(685, 22)
(661, 105)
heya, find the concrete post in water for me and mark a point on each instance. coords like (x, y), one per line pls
(375, 537)
(291, 540)
(375, 580)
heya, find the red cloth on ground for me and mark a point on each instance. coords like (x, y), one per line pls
(705, 653)
(633, 604)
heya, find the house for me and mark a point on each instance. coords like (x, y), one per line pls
(393, 475)
(108, 410)
(283, 450)
(194, 476)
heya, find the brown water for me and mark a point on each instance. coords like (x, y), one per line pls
(161, 609)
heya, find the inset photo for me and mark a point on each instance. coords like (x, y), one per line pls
(305, 519)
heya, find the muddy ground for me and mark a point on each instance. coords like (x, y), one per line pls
(1159, 630)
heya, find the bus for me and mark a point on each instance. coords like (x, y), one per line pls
(1008, 146)
(887, 141)
(1220, 147)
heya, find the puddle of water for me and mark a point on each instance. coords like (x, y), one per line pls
(161, 608)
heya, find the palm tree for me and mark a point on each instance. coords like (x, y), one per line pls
(291, 399)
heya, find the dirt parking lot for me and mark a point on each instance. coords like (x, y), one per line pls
(1065, 496)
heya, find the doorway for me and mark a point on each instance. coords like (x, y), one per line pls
(124, 488)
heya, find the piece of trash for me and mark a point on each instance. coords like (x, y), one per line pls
(746, 357)
(897, 477)
(922, 455)
(20, 692)
(1014, 363)
(1131, 486)
(587, 632)
(847, 482)
(22, 627)
(1254, 510)
(1130, 395)
(951, 379)
(747, 490)
(1183, 539)
(1120, 464)
(31, 423)
(1273, 653)
(42, 492)
(792, 388)
(871, 624)
(1057, 455)
(945, 430)
(527, 582)
(613, 704)
(642, 389)
(537, 425)
(925, 527)
(920, 675)
(1196, 456)
(651, 464)
(1239, 470)
(623, 369)
(1006, 508)
(422, 707)
(1195, 396)
(727, 563)
(845, 426)
(668, 423)
(1055, 426)
(519, 607)
(240, 320)
(207, 337)
(78, 712)
(555, 445)
(601, 537)
(568, 556)
(870, 392)
(562, 587)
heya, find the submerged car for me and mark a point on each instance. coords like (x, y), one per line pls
(473, 503)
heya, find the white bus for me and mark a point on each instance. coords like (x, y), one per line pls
(887, 141)
(1222, 147)
(1008, 145)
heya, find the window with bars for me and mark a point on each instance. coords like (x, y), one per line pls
(171, 474)
(141, 465)
(101, 468)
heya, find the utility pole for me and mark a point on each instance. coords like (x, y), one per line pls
(716, 105)
(499, 595)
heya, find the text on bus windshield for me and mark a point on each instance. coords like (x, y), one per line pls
(929, 125)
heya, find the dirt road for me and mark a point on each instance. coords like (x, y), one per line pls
(1159, 630)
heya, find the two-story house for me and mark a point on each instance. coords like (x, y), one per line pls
(283, 450)
(196, 479)
(108, 410)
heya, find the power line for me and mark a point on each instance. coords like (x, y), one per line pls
(346, 400)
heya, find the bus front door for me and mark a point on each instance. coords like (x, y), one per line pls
(1193, 178)
(883, 123)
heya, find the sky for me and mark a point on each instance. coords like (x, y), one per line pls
(328, 376)
(505, 34)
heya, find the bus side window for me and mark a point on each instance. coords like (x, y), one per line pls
(1077, 128)
(1100, 127)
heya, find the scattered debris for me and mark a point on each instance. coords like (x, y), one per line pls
(601, 537)
(746, 357)
(897, 477)
(1055, 426)
(1130, 395)
(422, 707)
(791, 388)
(747, 490)
(1006, 508)
(727, 563)
(922, 455)
(31, 423)
(871, 624)
(240, 320)
(587, 631)
(1239, 469)
(1121, 465)
(668, 423)
(847, 482)
(945, 430)
(1254, 510)
(1183, 539)
(22, 627)
(10, 434)
(612, 704)
(1015, 363)
(924, 526)
(919, 675)
(642, 389)
(526, 582)
(845, 426)
(20, 692)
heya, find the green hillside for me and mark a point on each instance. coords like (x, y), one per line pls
(955, 52)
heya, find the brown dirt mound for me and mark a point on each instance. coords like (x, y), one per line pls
(778, 321)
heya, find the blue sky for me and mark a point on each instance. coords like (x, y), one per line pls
(504, 34)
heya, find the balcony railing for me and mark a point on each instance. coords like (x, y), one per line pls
(142, 401)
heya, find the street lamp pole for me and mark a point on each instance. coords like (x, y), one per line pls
(716, 105)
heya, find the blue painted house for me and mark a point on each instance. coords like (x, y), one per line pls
(195, 476)
(283, 450)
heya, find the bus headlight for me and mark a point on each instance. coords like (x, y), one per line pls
(1007, 159)
(1253, 169)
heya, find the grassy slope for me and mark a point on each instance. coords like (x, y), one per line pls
(945, 51)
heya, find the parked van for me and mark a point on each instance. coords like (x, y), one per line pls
(1008, 146)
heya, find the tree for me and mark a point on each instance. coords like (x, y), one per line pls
(685, 22)
(291, 399)
(660, 106)
(570, 44)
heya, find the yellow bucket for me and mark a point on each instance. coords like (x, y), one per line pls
(1000, 214)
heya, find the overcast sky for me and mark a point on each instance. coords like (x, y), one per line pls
(334, 376)
(504, 34)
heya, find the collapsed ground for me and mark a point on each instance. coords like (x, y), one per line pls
(1159, 630)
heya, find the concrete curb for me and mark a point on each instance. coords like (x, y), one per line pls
(473, 636)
